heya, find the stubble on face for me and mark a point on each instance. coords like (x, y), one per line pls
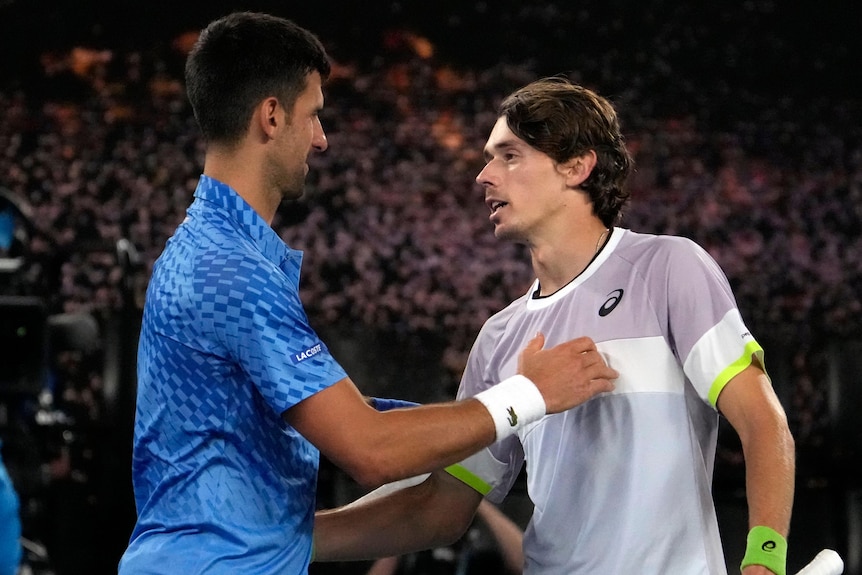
(289, 169)
(293, 184)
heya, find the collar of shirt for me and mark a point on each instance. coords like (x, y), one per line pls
(270, 244)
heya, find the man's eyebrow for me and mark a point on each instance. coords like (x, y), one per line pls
(501, 146)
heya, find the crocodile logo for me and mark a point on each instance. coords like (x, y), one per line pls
(513, 417)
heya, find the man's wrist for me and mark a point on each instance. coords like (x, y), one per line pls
(766, 547)
(513, 403)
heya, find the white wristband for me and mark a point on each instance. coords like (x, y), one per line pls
(513, 403)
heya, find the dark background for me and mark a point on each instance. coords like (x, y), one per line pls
(774, 48)
(727, 66)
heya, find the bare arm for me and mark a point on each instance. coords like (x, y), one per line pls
(509, 536)
(750, 405)
(377, 448)
(384, 566)
(431, 514)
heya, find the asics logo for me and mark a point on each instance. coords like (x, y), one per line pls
(612, 302)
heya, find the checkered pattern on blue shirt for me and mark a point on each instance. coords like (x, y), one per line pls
(222, 484)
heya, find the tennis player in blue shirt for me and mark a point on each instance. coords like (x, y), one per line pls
(236, 392)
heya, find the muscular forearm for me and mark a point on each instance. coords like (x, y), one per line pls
(431, 514)
(752, 408)
(379, 529)
(769, 484)
(377, 448)
(770, 470)
(750, 404)
(398, 444)
(509, 536)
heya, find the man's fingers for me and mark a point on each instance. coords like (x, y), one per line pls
(595, 365)
(533, 347)
(591, 357)
(577, 345)
(536, 344)
(602, 385)
(568, 373)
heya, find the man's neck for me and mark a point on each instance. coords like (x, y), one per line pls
(241, 174)
(558, 263)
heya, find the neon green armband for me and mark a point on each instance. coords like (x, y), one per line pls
(766, 547)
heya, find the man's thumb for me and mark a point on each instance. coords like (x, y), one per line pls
(536, 344)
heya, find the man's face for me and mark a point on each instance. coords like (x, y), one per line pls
(303, 134)
(524, 188)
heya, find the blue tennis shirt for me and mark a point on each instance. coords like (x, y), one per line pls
(10, 524)
(222, 484)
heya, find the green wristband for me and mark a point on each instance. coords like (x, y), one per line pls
(766, 547)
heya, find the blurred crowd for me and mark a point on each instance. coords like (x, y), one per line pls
(396, 237)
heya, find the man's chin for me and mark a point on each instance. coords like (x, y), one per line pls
(510, 235)
(293, 193)
(504, 233)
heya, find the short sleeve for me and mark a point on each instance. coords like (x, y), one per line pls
(492, 471)
(707, 330)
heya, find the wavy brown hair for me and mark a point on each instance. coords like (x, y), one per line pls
(565, 120)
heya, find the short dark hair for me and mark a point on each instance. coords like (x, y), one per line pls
(565, 120)
(242, 58)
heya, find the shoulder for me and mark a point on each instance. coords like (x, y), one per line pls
(212, 262)
(662, 250)
(656, 243)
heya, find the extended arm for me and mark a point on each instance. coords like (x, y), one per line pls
(752, 408)
(431, 514)
(377, 448)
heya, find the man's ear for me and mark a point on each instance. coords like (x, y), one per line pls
(579, 168)
(268, 117)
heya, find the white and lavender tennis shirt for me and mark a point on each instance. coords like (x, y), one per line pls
(622, 483)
